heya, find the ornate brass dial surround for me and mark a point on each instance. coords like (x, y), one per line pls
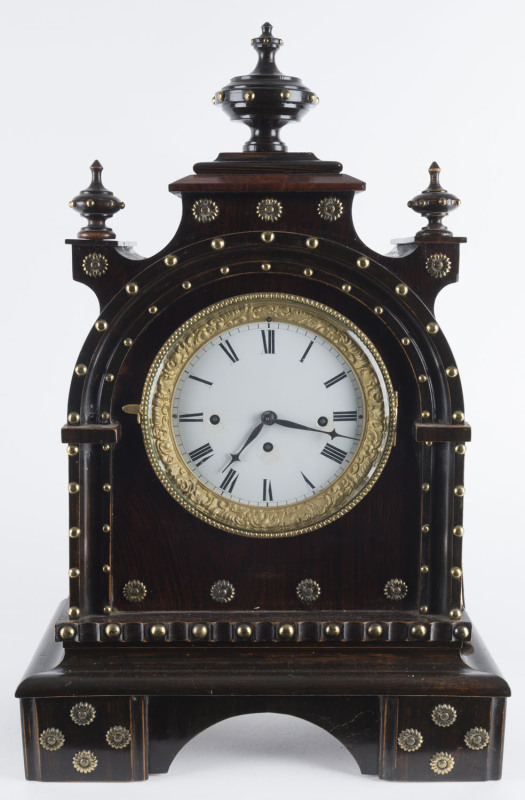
(278, 521)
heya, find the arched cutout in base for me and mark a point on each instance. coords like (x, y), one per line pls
(353, 721)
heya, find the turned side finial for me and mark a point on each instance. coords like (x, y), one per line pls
(434, 203)
(265, 100)
(96, 204)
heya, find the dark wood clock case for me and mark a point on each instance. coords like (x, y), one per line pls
(141, 658)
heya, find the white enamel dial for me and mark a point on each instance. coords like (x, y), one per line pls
(285, 386)
(268, 415)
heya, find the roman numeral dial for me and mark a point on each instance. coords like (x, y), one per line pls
(266, 412)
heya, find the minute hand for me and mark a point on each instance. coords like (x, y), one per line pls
(332, 434)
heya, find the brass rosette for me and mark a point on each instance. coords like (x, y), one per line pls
(275, 521)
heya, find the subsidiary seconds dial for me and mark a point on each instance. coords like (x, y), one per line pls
(268, 415)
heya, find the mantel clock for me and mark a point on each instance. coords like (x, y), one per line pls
(266, 438)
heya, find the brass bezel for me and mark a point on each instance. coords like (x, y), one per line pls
(277, 521)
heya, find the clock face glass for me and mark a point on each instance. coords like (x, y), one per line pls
(268, 415)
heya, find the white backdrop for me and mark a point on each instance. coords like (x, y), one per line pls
(130, 82)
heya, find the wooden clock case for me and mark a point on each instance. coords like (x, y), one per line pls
(141, 658)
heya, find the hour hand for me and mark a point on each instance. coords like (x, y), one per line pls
(253, 435)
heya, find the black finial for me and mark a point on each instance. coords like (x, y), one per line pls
(96, 204)
(434, 203)
(265, 99)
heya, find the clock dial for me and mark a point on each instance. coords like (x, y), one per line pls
(268, 415)
(266, 427)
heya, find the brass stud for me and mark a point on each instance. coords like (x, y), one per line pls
(424, 609)
(346, 287)
(107, 610)
(72, 204)
(127, 342)
(312, 98)
(74, 612)
(374, 631)
(199, 631)
(249, 96)
(224, 270)
(113, 630)
(452, 372)
(444, 715)
(220, 96)
(477, 738)
(308, 272)
(67, 632)
(402, 289)
(244, 631)
(105, 416)
(286, 632)
(101, 325)
(422, 378)
(213, 100)
(106, 487)
(73, 417)
(312, 242)
(267, 236)
(83, 713)
(266, 267)
(458, 531)
(186, 285)
(74, 533)
(459, 491)
(171, 261)
(410, 740)
(80, 369)
(118, 737)
(458, 416)
(425, 415)
(217, 244)
(74, 572)
(158, 631)
(455, 613)
(90, 203)
(222, 591)
(73, 488)
(153, 309)
(425, 529)
(363, 263)
(419, 631)
(109, 378)
(106, 529)
(332, 630)
(442, 763)
(52, 739)
(106, 447)
(106, 568)
(425, 487)
(456, 572)
(72, 450)
(424, 569)
(432, 327)
(134, 591)
(395, 589)
(285, 95)
(461, 632)
(123, 205)
(379, 310)
(132, 288)
(460, 449)
(429, 444)
(405, 341)
(85, 760)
